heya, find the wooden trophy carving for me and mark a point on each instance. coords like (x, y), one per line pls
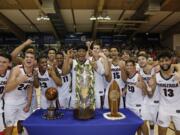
(114, 99)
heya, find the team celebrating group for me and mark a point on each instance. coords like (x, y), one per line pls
(149, 89)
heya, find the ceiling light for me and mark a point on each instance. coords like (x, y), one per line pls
(42, 17)
(107, 18)
(100, 18)
(92, 18)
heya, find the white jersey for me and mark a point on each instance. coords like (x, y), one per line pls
(45, 82)
(64, 90)
(3, 81)
(134, 95)
(99, 78)
(154, 100)
(116, 75)
(18, 96)
(169, 94)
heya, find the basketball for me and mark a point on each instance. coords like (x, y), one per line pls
(51, 93)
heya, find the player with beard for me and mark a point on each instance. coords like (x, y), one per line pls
(169, 89)
(151, 104)
(5, 60)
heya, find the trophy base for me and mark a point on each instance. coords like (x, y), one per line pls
(118, 116)
(52, 114)
(84, 114)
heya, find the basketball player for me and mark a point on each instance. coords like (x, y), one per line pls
(47, 78)
(151, 102)
(99, 78)
(65, 90)
(18, 60)
(18, 92)
(118, 74)
(106, 51)
(135, 92)
(5, 60)
(51, 57)
(69, 65)
(125, 55)
(169, 89)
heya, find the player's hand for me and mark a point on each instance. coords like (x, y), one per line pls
(121, 65)
(22, 78)
(150, 82)
(93, 63)
(101, 54)
(28, 42)
(35, 73)
(69, 53)
(88, 44)
(51, 71)
(26, 108)
(177, 76)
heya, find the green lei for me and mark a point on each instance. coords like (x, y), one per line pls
(80, 68)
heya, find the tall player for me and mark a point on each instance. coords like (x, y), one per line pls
(135, 93)
(99, 78)
(5, 60)
(18, 92)
(169, 89)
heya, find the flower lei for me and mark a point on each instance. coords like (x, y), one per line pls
(90, 99)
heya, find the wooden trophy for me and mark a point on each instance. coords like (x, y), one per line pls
(114, 95)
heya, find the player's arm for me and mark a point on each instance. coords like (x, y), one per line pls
(109, 76)
(67, 65)
(107, 68)
(142, 85)
(124, 91)
(29, 98)
(177, 73)
(88, 44)
(54, 74)
(36, 79)
(14, 79)
(151, 86)
(123, 71)
(18, 49)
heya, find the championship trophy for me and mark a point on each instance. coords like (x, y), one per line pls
(52, 111)
(114, 96)
(85, 99)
